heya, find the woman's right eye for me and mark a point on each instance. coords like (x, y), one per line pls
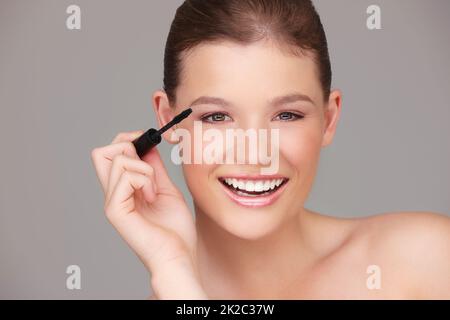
(215, 117)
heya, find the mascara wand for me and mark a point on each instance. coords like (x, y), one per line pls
(152, 137)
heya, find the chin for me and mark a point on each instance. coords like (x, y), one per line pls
(250, 225)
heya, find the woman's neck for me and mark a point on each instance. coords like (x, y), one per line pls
(250, 266)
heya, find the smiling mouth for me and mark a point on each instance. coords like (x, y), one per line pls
(253, 188)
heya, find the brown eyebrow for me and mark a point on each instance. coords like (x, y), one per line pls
(277, 101)
(211, 100)
(293, 97)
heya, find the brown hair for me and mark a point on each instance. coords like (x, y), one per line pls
(295, 23)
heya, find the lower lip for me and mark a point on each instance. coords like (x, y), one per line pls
(252, 202)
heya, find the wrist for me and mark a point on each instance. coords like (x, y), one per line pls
(177, 282)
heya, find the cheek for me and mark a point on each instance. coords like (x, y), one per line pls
(196, 176)
(301, 147)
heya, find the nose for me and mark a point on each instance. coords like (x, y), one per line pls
(252, 141)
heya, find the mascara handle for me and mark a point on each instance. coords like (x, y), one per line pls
(147, 141)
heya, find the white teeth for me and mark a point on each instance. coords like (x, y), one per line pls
(259, 186)
(253, 185)
(249, 186)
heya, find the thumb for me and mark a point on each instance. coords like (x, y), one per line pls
(163, 181)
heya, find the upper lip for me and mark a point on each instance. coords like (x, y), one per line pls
(249, 176)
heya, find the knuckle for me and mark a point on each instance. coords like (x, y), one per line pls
(118, 160)
(107, 209)
(94, 153)
(127, 175)
(110, 210)
(119, 136)
(149, 171)
(129, 146)
(128, 149)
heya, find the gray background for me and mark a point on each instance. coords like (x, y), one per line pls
(63, 92)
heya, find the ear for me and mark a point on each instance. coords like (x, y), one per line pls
(164, 113)
(332, 114)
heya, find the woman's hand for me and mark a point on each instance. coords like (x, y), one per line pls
(150, 214)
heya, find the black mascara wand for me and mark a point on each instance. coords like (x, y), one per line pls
(152, 137)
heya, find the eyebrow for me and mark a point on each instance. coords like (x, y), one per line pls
(277, 101)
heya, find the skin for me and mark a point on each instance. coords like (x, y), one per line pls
(282, 251)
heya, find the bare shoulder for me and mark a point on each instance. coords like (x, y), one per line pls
(412, 230)
(416, 245)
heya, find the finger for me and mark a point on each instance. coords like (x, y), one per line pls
(146, 239)
(122, 163)
(122, 200)
(165, 184)
(127, 136)
(103, 157)
(131, 225)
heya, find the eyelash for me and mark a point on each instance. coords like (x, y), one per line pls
(296, 115)
(203, 118)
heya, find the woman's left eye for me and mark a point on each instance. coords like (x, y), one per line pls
(216, 117)
(289, 116)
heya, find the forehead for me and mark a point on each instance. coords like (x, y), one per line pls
(257, 69)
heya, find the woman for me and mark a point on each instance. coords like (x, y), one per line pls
(259, 64)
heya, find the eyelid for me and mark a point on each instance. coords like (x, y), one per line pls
(209, 114)
(297, 114)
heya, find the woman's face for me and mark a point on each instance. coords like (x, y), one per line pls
(249, 79)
